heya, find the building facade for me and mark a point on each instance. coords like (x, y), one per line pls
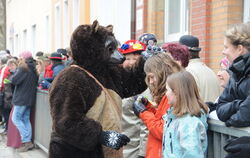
(46, 25)
(28, 25)
(206, 19)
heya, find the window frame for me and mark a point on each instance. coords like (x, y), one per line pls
(184, 21)
(57, 26)
(76, 13)
(47, 32)
(246, 13)
(66, 35)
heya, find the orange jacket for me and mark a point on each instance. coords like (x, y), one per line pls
(152, 118)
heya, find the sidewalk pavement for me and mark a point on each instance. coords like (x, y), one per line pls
(8, 152)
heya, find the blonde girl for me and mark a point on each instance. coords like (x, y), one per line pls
(186, 121)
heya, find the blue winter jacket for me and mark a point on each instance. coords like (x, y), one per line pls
(57, 68)
(185, 136)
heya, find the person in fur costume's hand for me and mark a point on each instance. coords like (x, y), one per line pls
(85, 98)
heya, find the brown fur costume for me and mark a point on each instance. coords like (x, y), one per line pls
(79, 107)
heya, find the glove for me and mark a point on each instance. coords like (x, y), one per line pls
(238, 148)
(113, 139)
(238, 151)
(139, 105)
(212, 106)
(45, 84)
(228, 123)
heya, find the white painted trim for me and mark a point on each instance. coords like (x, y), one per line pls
(57, 26)
(246, 16)
(184, 18)
(34, 36)
(24, 39)
(47, 33)
(66, 23)
(16, 44)
(76, 13)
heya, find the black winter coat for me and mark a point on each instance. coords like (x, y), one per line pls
(8, 94)
(233, 106)
(25, 82)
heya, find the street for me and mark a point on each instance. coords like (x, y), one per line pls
(8, 152)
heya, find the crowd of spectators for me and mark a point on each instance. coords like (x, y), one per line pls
(19, 79)
(148, 119)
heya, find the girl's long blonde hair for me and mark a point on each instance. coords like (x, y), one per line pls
(162, 65)
(188, 99)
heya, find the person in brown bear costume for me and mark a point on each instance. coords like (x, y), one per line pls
(85, 98)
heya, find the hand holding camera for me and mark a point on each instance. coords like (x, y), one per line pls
(140, 105)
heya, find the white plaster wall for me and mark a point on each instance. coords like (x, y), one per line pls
(23, 15)
(115, 12)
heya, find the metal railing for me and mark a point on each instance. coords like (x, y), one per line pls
(218, 133)
(43, 122)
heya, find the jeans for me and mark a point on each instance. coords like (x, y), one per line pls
(21, 119)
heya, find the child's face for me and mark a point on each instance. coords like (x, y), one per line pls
(170, 95)
(130, 60)
(152, 80)
(223, 76)
(12, 67)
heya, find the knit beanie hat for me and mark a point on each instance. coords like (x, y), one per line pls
(25, 54)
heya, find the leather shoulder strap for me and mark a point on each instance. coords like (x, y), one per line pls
(104, 89)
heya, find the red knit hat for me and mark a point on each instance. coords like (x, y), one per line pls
(132, 46)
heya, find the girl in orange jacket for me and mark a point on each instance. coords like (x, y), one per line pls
(157, 69)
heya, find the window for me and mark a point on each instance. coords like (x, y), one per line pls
(16, 44)
(246, 17)
(47, 34)
(25, 40)
(76, 13)
(176, 19)
(57, 27)
(33, 39)
(139, 19)
(66, 24)
(11, 45)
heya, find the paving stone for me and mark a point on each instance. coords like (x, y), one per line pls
(8, 152)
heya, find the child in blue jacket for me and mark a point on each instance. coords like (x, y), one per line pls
(185, 129)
